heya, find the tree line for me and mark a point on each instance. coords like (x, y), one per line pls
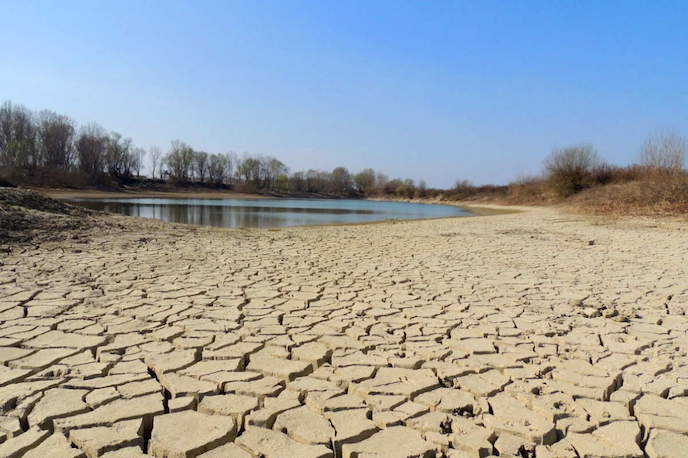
(49, 143)
(54, 148)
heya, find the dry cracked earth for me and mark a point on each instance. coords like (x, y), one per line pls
(530, 334)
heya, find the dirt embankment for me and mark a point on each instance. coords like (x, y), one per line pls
(27, 216)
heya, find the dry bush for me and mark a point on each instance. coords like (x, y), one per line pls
(465, 190)
(569, 170)
(528, 189)
(603, 173)
(630, 173)
(664, 153)
(650, 196)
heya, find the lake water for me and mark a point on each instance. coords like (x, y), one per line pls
(267, 213)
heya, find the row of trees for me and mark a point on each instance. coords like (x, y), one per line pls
(264, 173)
(49, 142)
(183, 164)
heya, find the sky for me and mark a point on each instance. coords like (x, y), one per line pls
(435, 90)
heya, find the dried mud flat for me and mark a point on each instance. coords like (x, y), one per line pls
(509, 335)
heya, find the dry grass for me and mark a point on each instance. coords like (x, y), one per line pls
(667, 196)
(614, 191)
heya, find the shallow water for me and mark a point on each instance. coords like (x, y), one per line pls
(267, 213)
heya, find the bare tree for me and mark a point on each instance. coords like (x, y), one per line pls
(275, 171)
(365, 181)
(381, 181)
(118, 160)
(297, 181)
(137, 157)
(56, 134)
(341, 180)
(422, 188)
(200, 165)
(231, 163)
(217, 168)
(155, 155)
(179, 160)
(91, 147)
(664, 151)
(248, 169)
(18, 136)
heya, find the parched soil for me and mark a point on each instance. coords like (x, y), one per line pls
(29, 216)
(525, 334)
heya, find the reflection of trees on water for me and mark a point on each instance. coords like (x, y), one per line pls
(231, 216)
(203, 215)
(249, 216)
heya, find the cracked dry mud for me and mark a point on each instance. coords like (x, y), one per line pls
(508, 335)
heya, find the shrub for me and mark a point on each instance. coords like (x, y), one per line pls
(645, 197)
(569, 170)
(663, 153)
(604, 173)
(527, 189)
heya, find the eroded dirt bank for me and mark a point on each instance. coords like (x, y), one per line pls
(517, 334)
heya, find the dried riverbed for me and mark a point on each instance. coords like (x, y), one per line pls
(517, 334)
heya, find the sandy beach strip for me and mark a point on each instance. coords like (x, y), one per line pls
(536, 333)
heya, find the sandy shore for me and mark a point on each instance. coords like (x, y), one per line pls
(516, 334)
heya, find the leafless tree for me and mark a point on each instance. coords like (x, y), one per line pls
(297, 181)
(91, 147)
(118, 161)
(341, 181)
(248, 169)
(217, 168)
(381, 182)
(137, 157)
(179, 161)
(422, 188)
(18, 136)
(155, 155)
(318, 181)
(365, 181)
(664, 151)
(273, 171)
(231, 162)
(56, 134)
(200, 165)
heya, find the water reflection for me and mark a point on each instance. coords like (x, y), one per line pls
(268, 212)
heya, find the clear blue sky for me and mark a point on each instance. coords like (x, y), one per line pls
(423, 89)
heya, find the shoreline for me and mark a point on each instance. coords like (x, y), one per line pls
(485, 209)
(472, 210)
(470, 207)
(65, 193)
